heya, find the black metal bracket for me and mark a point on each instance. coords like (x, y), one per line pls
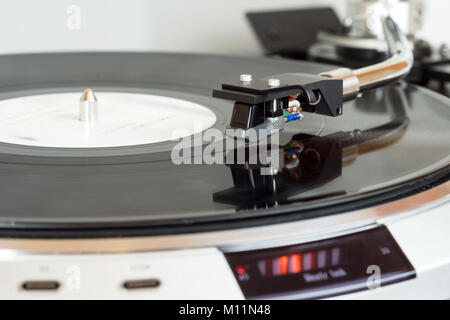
(307, 85)
(254, 99)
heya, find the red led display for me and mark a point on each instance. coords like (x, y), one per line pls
(284, 263)
(296, 263)
(299, 262)
(240, 270)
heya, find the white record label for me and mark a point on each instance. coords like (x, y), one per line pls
(124, 119)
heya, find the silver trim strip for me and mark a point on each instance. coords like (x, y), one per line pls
(243, 239)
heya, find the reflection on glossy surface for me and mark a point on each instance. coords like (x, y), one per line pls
(312, 161)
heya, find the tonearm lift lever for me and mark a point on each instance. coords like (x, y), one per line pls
(263, 106)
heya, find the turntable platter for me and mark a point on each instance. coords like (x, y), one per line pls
(120, 184)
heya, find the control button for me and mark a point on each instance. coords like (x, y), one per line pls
(40, 285)
(141, 284)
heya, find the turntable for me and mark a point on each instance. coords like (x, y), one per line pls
(93, 205)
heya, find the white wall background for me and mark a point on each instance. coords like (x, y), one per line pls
(158, 25)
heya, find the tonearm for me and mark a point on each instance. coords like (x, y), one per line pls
(263, 106)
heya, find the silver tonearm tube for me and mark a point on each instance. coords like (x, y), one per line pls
(396, 67)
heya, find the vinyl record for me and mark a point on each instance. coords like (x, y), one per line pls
(55, 183)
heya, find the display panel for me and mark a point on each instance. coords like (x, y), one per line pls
(361, 261)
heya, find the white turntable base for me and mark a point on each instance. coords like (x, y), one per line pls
(203, 273)
(52, 120)
(423, 237)
(193, 274)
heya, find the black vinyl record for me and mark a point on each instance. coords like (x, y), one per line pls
(136, 190)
